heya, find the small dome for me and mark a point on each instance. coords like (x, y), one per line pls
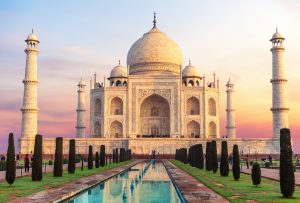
(32, 37)
(277, 35)
(118, 71)
(81, 83)
(190, 71)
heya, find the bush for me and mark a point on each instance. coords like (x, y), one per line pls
(224, 166)
(72, 156)
(184, 156)
(214, 155)
(102, 155)
(2, 165)
(97, 160)
(256, 174)
(267, 164)
(90, 157)
(208, 162)
(65, 161)
(37, 164)
(251, 163)
(58, 161)
(287, 176)
(50, 163)
(10, 174)
(236, 163)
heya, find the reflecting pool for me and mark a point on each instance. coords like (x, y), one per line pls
(144, 182)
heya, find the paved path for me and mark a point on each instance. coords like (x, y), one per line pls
(272, 174)
(49, 168)
(192, 190)
(63, 192)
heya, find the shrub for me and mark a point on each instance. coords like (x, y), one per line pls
(184, 156)
(236, 163)
(287, 176)
(189, 157)
(102, 155)
(72, 156)
(58, 162)
(201, 158)
(90, 157)
(208, 164)
(50, 162)
(224, 166)
(10, 174)
(37, 164)
(214, 156)
(97, 160)
(267, 164)
(256, 174)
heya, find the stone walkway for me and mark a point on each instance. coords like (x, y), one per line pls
(65, 191)
(49, 168)
(192, 190)
(272, 174)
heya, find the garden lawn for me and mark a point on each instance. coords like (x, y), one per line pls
(25, 186)
(238, 191)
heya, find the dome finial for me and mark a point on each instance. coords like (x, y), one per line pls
(276, 29)
(32, 30)
(154, 19)
(119, 62)
(190, 62)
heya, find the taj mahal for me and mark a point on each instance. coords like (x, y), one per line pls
(154, 103)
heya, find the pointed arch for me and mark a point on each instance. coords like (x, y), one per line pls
(191, 83)
(192, 106)
(212, 130)
(116, 106)
(125, 84)
(118, 83)
(97, 129)
(97, 107)
(193, 129)
(212, 108)
(116, 129)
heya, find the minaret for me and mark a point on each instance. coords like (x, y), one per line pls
(30, 109)
(80, 127)
(230, 121)
(279, 101)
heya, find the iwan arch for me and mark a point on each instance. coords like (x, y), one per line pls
(154, 104)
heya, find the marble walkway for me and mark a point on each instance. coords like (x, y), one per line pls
(192, 190)
(63, 192)
(271, 174)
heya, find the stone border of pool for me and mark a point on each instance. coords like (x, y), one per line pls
(64, 192)
(191, 189)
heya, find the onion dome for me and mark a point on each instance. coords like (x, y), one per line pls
(154, 51)
(32, 37)
(277, 35)
(190, 71)
(118, 71)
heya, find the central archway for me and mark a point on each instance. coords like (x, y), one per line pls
(155, 117)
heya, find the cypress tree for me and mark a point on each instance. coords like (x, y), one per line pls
(72, 155)
(224, 166)
(37, 164)
(208, 162)
(130, 155)
(102, 155)
(114, 156)
(82, 163)
(122, 154)
(256, 174)
(97, 160)
(287, 176)
(201, 158)
(10, 174)
(176, 154)
(184, 156)
(214, 155)
(236, 163)
(90, 157)
(190, 156)
(58, 162)
(117, 155)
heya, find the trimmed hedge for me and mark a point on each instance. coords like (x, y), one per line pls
(90, 158)
(10, 174)
(224, 165)
(58, 162)
(236, 163)
(256, 174)
(37, 164)
(287, 176)
(72, 156)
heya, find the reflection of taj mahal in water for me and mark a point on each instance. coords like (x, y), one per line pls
(152, 104)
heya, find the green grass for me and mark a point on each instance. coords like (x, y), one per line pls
(267, 191)
(25, 186)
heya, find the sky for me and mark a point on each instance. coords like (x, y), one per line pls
(79, 38)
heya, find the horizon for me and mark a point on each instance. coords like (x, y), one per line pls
(74, 47)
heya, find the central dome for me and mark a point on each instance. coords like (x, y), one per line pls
(154, 52)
